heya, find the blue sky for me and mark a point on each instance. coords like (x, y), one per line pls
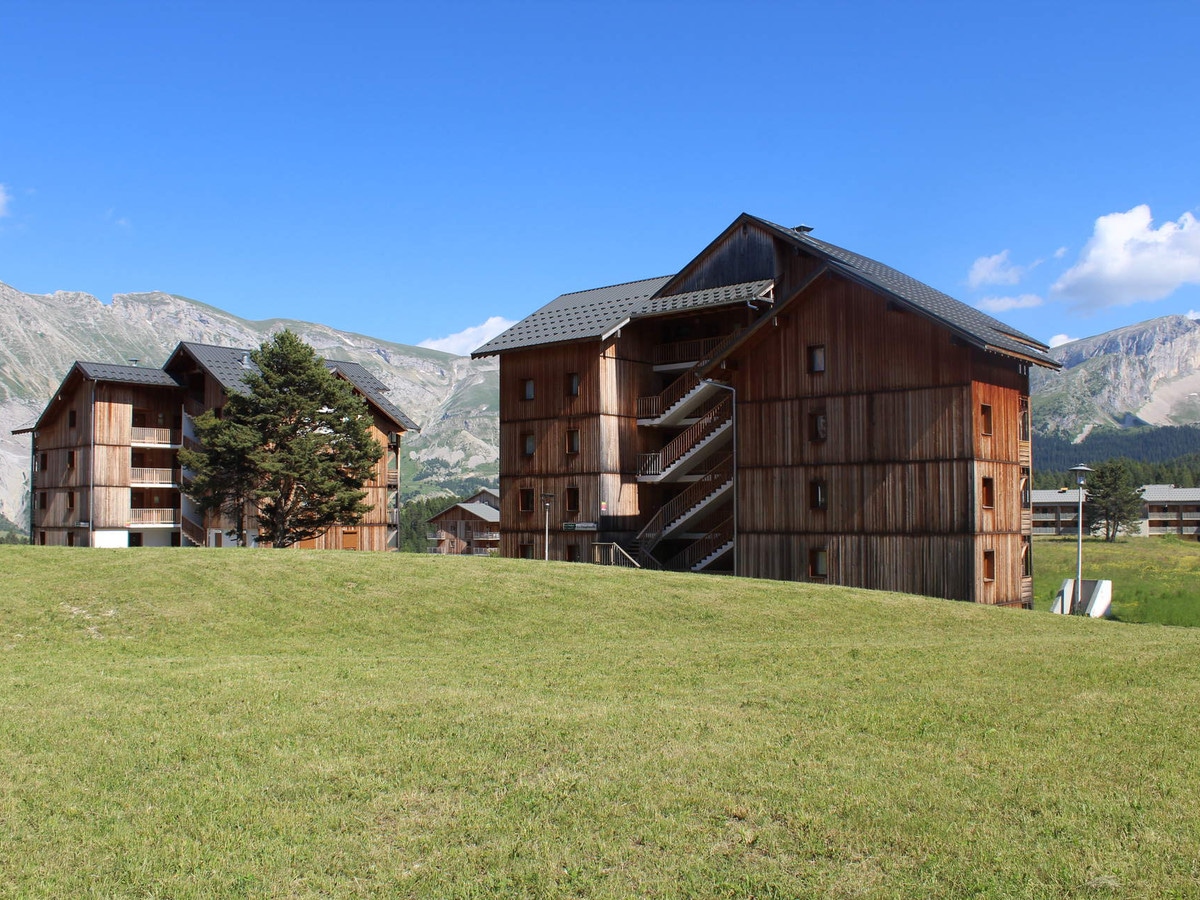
(414, 170)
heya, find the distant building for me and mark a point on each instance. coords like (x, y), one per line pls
(1166, 509)
(105, 465)
(779, 408)
(471, 527)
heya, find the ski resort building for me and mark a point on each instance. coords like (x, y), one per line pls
(105, 467)
(779, 408)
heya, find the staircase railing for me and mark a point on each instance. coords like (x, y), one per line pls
(710, 543)
(193, 531)
(654, 406)
(660, 461)
(695, 493)
(613, 554)
(685, 351)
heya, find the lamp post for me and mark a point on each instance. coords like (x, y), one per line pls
(546, 498)
(1080, 479)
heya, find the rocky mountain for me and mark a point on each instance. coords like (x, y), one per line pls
(1144, 374)
(452, 398)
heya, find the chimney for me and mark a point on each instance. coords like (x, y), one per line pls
(245, 360)
(133, 360)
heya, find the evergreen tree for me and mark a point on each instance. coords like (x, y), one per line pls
(296, 443)
(1114, 501)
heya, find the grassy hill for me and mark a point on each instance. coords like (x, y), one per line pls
(254, 724)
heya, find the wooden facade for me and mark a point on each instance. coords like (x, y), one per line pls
(779, 409)
(105, 461)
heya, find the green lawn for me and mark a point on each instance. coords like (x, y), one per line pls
(189, 723)
(1154, 579)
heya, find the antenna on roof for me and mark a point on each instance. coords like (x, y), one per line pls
(803, 229)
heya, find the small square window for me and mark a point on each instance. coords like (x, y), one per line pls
(985, 416)
(526, 551)
(818, 494)
(71, 419)
(817, 563)
(989, 493)
(816, 359)
(989, 565)
(572, 440)
(527, 389)
(573, 553)
(528, 444)
(818, 425)
(573, 384)
(526, 498)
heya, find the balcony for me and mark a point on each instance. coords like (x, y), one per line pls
(155, 516)
(140, 475)
(155, 437)
(485, 535)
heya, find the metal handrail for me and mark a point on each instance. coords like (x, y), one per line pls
(655, 406)
(194, 531)
(718, 537)
(613, 554)
(660, 461)
(685, 351)
(697, 492)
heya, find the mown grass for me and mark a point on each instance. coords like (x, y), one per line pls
(259, 724)
(1154, 579)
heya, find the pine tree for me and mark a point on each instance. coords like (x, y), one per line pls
(1114, 501)
(296, 443)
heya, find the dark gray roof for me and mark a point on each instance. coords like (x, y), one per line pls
(583, 315)
(720, 296)
(94, 371)
(968, 321)
(485, 512)
(229, 365)
(374, 389)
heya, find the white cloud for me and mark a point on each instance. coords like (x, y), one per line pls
(1059, 339)
(1004, 304)
(1060, 252)
(5, 197)
(1127, 260)
(462, 343)
(994, 270)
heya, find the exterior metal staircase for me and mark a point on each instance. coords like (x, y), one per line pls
(698, 442)
(684, 509)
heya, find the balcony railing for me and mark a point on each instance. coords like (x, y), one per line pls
(142, 475)
(685, 351)
(485, 535)
(393, 478)
(156, 516)
(161, 436)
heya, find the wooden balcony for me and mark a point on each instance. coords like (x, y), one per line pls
(141, 475)
(155, 437)
(156, 516)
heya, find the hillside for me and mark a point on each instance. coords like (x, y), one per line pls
(453, 399)
(1143, 374)
(229, 723)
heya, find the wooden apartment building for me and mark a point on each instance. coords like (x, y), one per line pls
(105, 467)
(779, 408)
(471, 527)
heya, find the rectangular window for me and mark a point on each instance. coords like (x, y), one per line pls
(42, 500)
(70, 500)
(42, 538)
(573, 384)
(989, 565)
(70, 459)
(817, 563)
(1026, 558)
(527, 389)
(70, 539)
(816, 359)
(573, 553)
(572, 499)
(989, 493)
(818, 426)
(43, 462)
(1026, 494)
(71, 419)
(572, 440)
(985, 416)
(818, 496)
(528, 444)
(1024, 418)
(526, 497)
(526, 551)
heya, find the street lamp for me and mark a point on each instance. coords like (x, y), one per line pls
(546, 498)
(1080, 479)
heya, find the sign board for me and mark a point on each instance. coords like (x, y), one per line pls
(579, 526)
